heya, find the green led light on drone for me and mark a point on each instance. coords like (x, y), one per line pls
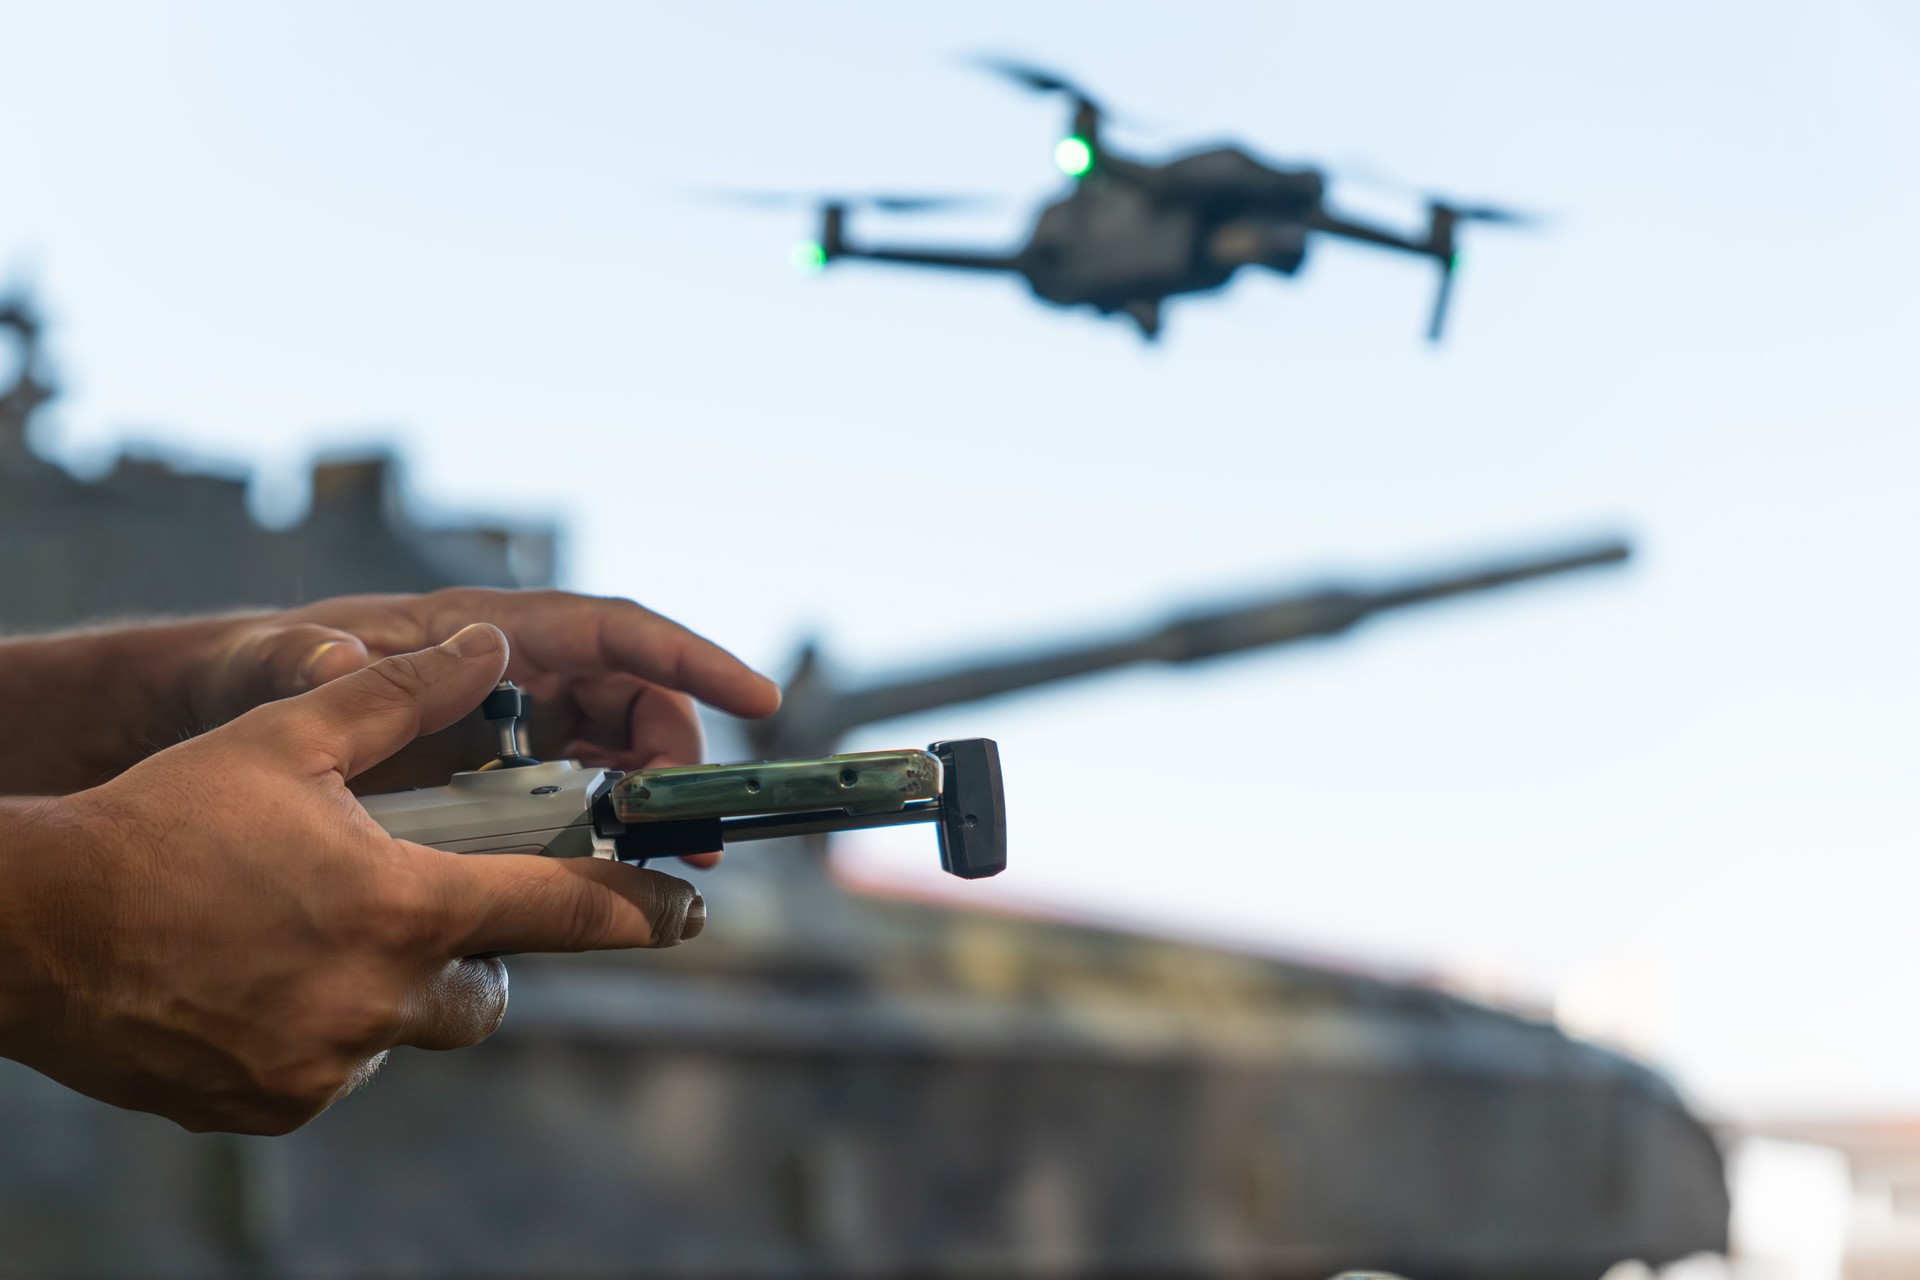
(808, 257)
(1074, 156)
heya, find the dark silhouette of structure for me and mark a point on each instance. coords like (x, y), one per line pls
(834, 1083)
(151, 537)
(1133, 233)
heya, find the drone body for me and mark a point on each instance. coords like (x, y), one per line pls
(1131, 234)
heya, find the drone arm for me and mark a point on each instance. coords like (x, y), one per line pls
(1437, 245)
(834, 245)
(1332, 224)
(958, 260)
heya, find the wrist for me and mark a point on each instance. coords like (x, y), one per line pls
(108, 697)
(36, 836)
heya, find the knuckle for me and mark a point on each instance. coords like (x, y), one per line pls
(401, 678)
(307, 741)
(454, 607)
(589, 912)
(358, 1009)
(344, 1020)
(303, 1090)
(370, 1023)
(263, 664)
(288, 731)
(263, 726)
(433, 606)
(399, 918)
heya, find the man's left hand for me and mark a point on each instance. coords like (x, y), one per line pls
(613, 684)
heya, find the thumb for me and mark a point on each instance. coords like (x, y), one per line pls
(360, 719)
(266, 663)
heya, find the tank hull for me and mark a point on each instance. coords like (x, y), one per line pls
(1190, 1112)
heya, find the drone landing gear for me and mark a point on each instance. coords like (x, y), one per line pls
(1146, 314)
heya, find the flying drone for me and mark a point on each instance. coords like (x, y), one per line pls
(1131, 234)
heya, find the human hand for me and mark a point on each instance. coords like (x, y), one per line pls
(222, 935)
(613, 684)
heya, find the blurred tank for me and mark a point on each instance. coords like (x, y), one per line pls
(831, 1082)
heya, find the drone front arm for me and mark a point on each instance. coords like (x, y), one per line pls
(959, 260)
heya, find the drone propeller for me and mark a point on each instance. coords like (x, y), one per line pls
(1077, 153)
(1362, 174)
(888, 203)
(1492, 214)
(1038, 79)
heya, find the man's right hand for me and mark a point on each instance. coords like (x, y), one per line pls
(223, 936)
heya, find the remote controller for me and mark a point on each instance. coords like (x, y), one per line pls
(563, 809)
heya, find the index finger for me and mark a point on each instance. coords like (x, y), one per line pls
(579, 635)
(502, 903)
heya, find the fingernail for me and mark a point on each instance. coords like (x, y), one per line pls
(475, 641)
(696, 918)
(314, 659)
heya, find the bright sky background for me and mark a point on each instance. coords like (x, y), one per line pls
(1685, 791)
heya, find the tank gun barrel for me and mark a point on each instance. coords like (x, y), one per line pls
(816, 717)
(1504, 574)
(1332, 610)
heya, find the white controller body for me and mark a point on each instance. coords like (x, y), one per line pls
(546, 809)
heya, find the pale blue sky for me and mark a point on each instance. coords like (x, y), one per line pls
(265, 230)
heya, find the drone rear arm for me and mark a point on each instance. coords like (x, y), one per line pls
(1333, 224)
(1437, 245)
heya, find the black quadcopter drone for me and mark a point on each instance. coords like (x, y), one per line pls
(1130, 234)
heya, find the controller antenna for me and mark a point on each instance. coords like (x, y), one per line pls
(505, 708)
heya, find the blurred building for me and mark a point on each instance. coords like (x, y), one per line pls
(152, 537)
(1850, 1187)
